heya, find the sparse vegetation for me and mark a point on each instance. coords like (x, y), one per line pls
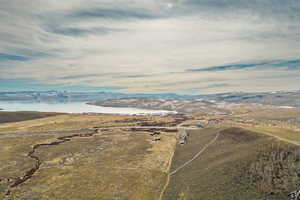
(276, 171)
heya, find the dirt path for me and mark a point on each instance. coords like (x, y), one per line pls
(186, 163)
(282, 139)
(168, 178)
(277, 137)
(197, 155)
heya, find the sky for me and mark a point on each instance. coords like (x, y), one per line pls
(150, 46)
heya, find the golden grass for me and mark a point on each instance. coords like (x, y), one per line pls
(114, 164)
(220, 173)
(122, 164)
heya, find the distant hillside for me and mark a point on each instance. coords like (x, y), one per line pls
(182, 106)
(281, 98)
(59, 96)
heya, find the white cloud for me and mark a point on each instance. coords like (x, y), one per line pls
(146, 47)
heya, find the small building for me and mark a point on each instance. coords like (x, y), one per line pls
(182, 137)
(182, 141)
(202, 123)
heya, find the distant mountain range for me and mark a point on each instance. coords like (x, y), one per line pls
(279, 98)
(65, 96)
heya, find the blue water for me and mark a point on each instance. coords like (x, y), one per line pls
(76, 107)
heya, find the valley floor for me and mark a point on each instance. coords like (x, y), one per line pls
(139, 157)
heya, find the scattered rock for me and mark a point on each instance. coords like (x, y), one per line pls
(69, 160)
(99, 148)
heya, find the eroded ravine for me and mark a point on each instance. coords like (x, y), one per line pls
(22, 179)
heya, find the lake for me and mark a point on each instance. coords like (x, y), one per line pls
(76, 107)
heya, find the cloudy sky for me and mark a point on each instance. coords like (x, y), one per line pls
(150, 46)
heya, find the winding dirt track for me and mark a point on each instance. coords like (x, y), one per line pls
(186, 163)
(168, 178)
(279, 138)
(197, 155)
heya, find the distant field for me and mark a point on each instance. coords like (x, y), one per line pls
(234, 167)
(6, 117)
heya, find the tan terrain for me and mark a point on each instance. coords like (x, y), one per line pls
(94, 163)
(249, 154)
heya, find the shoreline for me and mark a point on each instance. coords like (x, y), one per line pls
(79, 108)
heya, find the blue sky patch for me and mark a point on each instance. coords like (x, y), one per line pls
(289, 64)
(9, 57)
